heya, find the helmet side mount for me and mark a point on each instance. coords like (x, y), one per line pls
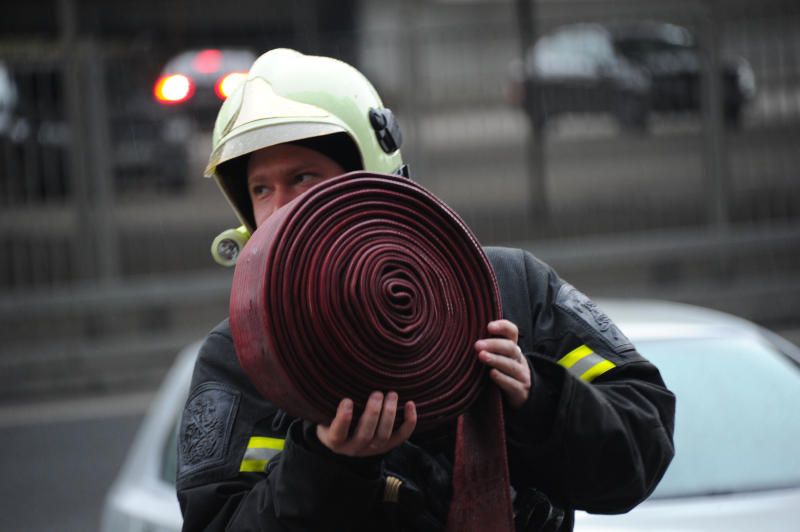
(387, 130)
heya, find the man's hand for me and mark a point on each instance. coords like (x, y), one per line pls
(510, 370)
(374, 434)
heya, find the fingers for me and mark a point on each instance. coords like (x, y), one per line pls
(500, 346)
(515, 391)
(510, 369)
(386, 424)
(409, 424)
(375, 432)
(369, 420)
(336, 433)
(515, 367)
(504, 328)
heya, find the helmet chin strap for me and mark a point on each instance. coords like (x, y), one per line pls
(403, 171)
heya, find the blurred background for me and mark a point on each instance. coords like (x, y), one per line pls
(644, 148)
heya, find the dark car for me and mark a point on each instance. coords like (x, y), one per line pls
(671, 58)
(194, 83)
(36, 138)
(626, 70)
(149, 133)
(577, 70)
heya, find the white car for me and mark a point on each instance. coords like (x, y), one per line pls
(737, 465)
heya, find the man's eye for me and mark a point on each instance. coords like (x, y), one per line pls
(305, 178)
(259, 191)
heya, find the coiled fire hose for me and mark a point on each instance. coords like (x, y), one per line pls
(369, 282)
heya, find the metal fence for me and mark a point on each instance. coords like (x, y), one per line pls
(691, 166)
(105, 221)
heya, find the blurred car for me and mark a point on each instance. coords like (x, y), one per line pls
(143, 494)
(194, 83)
(36, 138)
(736, 466)
(577, 70)
(673, 61)
(8, 99)
(150, 135)
(627, 70)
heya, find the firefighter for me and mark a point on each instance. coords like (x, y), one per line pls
(589, 421)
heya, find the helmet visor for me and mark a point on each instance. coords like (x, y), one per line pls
(264, 137)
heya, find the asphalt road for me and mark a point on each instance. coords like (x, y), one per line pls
(58, 461)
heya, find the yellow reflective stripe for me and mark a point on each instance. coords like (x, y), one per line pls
(571, 358)
(260, 449)
(262, 442)
(253, 466)
(597, 370)
(585, 363)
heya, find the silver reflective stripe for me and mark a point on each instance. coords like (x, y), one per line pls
(254, 453)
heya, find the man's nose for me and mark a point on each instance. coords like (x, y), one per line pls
(284, 195)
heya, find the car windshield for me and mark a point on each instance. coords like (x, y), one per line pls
(737, 427)
(580, 42)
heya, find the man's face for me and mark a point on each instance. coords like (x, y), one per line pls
(278, 174)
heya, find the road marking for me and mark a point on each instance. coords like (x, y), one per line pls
(75, 409)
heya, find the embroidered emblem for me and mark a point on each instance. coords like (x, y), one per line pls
(206, 426)
(579, 306)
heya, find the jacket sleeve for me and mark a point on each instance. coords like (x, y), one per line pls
(596, 431)
(303, 487)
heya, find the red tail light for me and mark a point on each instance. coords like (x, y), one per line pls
(228, 83)
(173, 88)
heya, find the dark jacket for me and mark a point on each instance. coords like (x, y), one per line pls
(595, 434)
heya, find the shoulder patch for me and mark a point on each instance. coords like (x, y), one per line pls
(579, 306)
(206, 427)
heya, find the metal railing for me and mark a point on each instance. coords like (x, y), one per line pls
(86, 215)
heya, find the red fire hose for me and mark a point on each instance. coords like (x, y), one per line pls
(369, 282)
